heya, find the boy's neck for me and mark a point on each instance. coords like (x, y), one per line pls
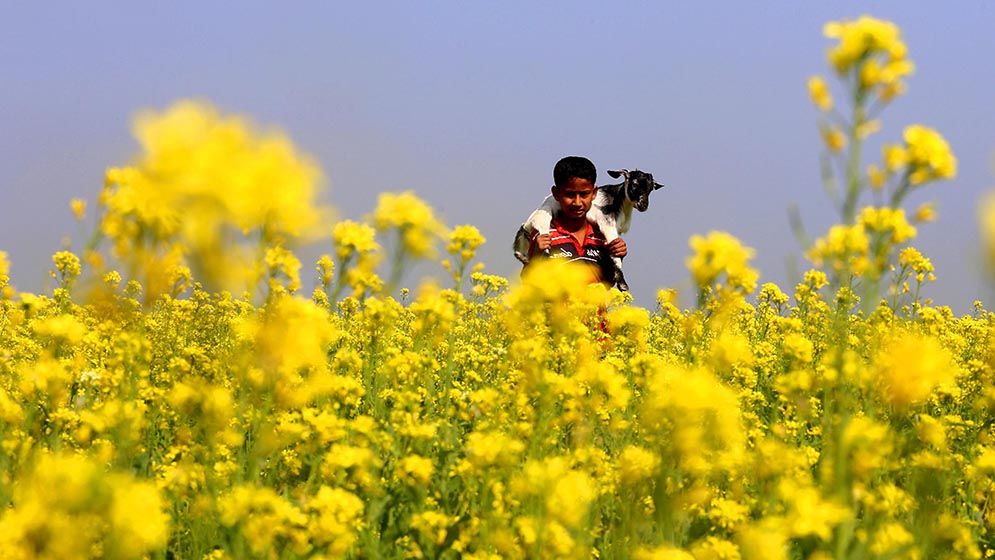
(572, 225)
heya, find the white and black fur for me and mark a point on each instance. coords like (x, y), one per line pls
(611, 212)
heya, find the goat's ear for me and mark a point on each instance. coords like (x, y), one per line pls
(615, 174)
(657, 185)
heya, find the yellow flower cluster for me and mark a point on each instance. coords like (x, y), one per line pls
(874, 49)
(359, 254)
(549, 421)
(415, 222)
(203, 182)
(924, 157)
(67, 506)
(871, 60)
(720, 254)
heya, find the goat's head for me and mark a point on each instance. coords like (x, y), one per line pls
(637, 186)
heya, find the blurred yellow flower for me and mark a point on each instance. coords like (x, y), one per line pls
(78, 206)
(910, 368)
(720, 253)
(926, 212)
(412, 218)
(929, 156)
(818, 91)
(834, 138)
(875, 47)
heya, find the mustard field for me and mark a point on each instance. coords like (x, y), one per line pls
(190, 389)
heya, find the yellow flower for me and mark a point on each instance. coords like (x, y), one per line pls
(78, 206)
(764, 540)
(895, 157)
(929, 156)
(283, 263)
(867, 128)
(336, 520)
(325, 267)
(910, 368)
(922, 266)
(66, 327)
(66, 506)
(877, 47)
(926, 212)
(290, 338)
(413, 219)
(353, 238)
(714, 548)
(567, 493)
(203, 182)
(889, 221)
(890, 538)
(798, 347)
(834, 138)
(636, 463)
(866, 444)
(809, 514)
(464, 241)
(876, 177)
(136, 516)
(697, 417)
(845, 248)
(489, 448)
(818, 91)
(728, 514)
(720, 253)
(67, 264)
(417, 468)
(359, 254)
(433, 525)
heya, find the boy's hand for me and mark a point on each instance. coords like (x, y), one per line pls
(542, 242)
(617, 248)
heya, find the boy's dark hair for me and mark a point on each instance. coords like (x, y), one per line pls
(574, 167)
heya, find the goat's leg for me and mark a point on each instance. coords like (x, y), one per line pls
(610, 231)
(538, 223)
(521, 245)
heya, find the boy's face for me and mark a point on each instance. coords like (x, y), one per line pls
(575, 197)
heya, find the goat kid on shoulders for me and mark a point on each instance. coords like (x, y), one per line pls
(611, 212)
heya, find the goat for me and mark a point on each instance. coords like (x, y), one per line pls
(611, 212)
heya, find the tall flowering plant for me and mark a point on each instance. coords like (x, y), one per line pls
(870, 60)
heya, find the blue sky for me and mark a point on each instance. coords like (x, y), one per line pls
(471, 104)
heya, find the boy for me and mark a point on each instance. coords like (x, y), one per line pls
(571, 236)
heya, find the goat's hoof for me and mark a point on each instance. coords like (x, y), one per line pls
(620, 281)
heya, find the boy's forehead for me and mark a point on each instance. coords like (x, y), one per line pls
(577, 184)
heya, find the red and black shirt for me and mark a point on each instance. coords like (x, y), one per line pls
(593, 252)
